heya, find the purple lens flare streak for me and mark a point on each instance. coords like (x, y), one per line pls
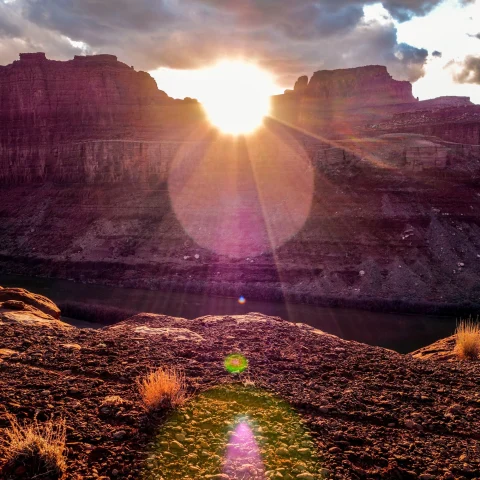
(243, 460)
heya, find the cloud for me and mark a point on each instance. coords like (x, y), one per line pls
(474, 36)
(437, 54)
(404, 10)
(289, 37)
(18, 34)
(412, 60)
(470, 71)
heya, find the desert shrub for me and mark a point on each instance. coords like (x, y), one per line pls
(95, 313)
(36, 448)
(467, 339)
(163, 388)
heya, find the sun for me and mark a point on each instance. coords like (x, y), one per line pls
(236, 96)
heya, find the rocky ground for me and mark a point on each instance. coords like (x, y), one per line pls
(315, 406)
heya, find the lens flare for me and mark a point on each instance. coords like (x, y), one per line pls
(235, 432)
(242, 197)
(243, 458)
(236, 363)
(242, 300)
(238, 96)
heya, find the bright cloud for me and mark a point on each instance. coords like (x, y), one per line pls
(287, 38)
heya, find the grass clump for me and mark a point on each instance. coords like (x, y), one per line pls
(163, 388)
(467, 339)
(36, 449)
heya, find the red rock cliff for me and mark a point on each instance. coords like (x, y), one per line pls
(337, 103)
(370, 85)
(55, 117)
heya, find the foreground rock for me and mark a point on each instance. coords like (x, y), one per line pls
(443, 350)
(365, 412)
(21, 299)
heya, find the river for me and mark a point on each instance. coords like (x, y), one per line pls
(401, 332)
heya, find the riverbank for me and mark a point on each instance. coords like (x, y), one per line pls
(107, 305)
(375, 238)
(369, 412)
(145, 277)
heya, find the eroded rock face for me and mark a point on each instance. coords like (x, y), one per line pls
(362, 86)
(61, 120)
(442, 350)
(19, 299)
(301, 85)
(459, 123)
(20, 307)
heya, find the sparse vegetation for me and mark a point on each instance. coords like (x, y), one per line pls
(36, 448)
(95, 313)
(467, 339)
(162, 388)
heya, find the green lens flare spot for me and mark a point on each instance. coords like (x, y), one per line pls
(236, 363)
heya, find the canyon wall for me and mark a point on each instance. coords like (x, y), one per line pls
(354, 87)
(94, 119)
(336, 103)
(88, 118)
(324, 210)
(459, 123)
(366, 101)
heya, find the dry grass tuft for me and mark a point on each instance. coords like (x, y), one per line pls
(161, 388)
(467, 338)
(37, 448)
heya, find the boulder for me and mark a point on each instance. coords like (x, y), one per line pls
(19, 298)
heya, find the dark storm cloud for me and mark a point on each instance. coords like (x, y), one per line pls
(17, 35)
(437, 54)
(290, 37)
(263, 10)
(403, 10)
(470, 72)
(412, 59)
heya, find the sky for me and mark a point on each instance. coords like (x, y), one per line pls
(434, 43)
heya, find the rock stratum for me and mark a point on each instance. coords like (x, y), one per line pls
(83, 118)
(354, 192)
(327, 408)
(354, 87)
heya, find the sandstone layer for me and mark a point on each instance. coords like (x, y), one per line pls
(360, 101)
(366, 412)
(21, 297)
(362, 86)
(459, 124)
(393, 219)
(104, 178)
(68, 121)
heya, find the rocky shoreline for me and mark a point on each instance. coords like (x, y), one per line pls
(368, 412)
(267, 291)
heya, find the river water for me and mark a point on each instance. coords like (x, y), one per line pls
(401, 332)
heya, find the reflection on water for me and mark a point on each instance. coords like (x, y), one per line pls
(403, 333)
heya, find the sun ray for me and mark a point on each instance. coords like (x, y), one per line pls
(236, 96)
